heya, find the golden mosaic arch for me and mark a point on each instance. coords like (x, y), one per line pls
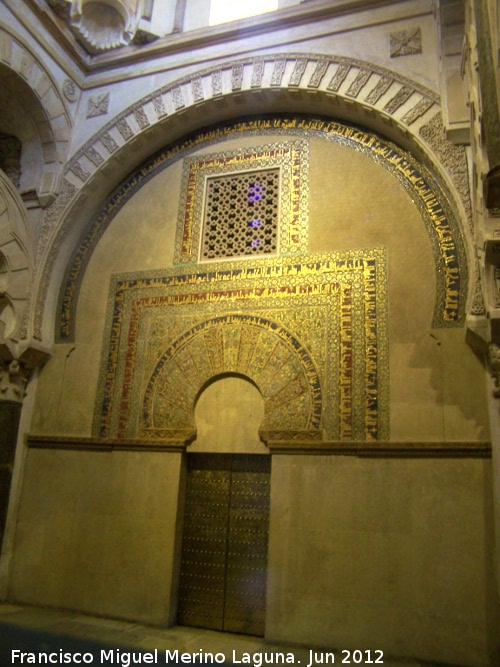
(354, 86)
(248, 345)
(438, 216)
(151, 315)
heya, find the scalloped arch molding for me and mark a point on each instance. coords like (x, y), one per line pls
(16, 265)
(330, 86)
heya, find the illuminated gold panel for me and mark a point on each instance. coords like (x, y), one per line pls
(310, 333)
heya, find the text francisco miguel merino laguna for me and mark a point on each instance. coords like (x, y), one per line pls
(129, 658)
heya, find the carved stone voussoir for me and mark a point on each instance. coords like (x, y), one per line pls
(335, 76)
(55, 211)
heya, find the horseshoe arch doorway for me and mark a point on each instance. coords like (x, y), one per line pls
(226, 520)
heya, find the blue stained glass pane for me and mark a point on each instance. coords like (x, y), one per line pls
(255, 192)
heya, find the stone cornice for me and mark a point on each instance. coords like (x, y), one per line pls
(381, 449)
(105, 444)
(376, 449)
(186, 42)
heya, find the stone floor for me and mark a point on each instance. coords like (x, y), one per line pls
(34, 630)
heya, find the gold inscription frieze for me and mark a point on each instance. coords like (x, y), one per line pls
(293, 157)
(311, 341)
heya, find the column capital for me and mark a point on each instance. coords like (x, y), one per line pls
(15, 372)
(13, 379)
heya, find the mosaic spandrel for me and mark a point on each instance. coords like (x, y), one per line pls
(308, 333)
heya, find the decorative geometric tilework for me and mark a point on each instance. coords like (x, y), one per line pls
(291, 160)
(437, 215)
(241, 215)
(245, 344)
(311, 333)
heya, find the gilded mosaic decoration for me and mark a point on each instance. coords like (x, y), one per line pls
(292, 159)
(426, 193)
(311, 333)
(249, 345)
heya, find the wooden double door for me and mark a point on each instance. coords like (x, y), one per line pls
(224, 546)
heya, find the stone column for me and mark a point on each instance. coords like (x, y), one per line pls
(494, 367)
(489, 85)
(12, 391)
(180, 12)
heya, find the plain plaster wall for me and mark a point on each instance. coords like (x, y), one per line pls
(97, 532)
(389, 554)
(382, 554)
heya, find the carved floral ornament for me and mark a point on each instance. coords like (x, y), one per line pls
(98, 105)
(69, 90)
(405, 42)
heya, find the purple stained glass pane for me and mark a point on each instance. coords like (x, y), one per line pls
(241, 214)
(255, 192)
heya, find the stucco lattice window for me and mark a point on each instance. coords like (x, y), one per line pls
(241, 215)
(263, 211)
